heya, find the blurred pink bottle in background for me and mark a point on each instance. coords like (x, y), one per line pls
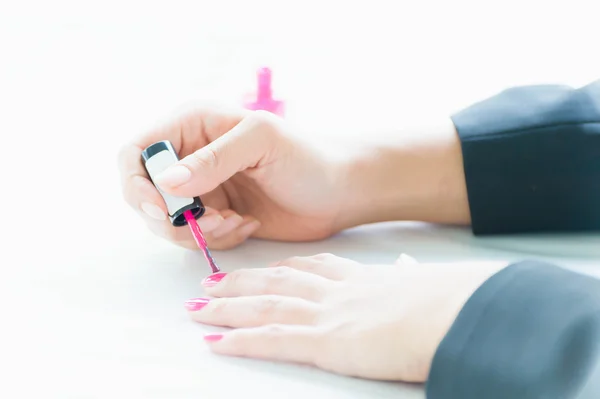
(263, 100)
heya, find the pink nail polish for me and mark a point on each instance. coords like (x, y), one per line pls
(213, 337)
(213, 279)
(196, 304)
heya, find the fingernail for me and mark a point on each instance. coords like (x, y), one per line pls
(249, 228)
(153, 211)
(210, 222)
(213, 337)
(213, 279)
(174, 176)
(196, 304)
(408, 260)
(228, 225)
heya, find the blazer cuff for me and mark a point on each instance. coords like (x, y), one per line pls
(532, 159)
(530, 331)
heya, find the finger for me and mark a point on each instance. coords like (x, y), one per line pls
(191, 129)
(298, 344)
(235, 237)
(137, 189)
(252, 311)
(280, 280)
(247, 145)
(207, 223)
(211, 211)
(229, 224)
(227, 212)
(325, 265)
(182, 235)
(210, 221)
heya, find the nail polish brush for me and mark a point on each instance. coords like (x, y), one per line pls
(158, 157)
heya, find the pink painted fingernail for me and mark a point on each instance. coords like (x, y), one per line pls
(213, 279)
(196, 304)
(213, 337)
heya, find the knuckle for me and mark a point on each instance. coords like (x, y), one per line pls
(260, 117)
(217, 306)
(205, 157)
(280, 273)
(274, 329)
(277, 276)
(262, 123)
(268, 306)
(233, 279)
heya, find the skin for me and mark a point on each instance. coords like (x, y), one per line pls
(259, 179)
(379, 321)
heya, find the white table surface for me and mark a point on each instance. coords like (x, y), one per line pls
(98, 313)
(106, 320)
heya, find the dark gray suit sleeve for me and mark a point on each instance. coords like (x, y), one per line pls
(532, 163)
(532, 331)
(532, 159)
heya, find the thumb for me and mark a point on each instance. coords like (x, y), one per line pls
(245, 146)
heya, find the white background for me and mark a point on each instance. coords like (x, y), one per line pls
(96, 312)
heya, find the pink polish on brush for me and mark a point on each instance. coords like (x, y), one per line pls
(199, 238)
(157, 158)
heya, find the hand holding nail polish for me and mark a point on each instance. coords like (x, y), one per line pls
(259, 178)
(254, 177)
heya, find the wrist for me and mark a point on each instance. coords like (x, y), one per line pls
(411, 174)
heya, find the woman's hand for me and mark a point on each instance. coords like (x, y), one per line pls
(379, 322)
(258, 179)
(255, 178)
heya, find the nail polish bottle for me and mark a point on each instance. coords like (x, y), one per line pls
(263, 100)
(158, 157)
